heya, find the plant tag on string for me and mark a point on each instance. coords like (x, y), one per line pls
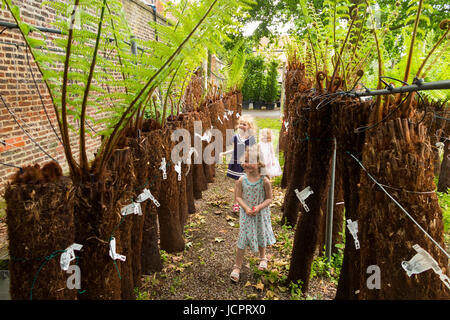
(192, 150)
(146, 194)
(302, 195)
(225, 116)
(69, 255)
(218, 117)
(206, 136)
(143, 196)
(421, 262)
(230, 112)
(178, 170)
(440, 147)
(353, 228)
(237, 115)
(163, 167)
(112, 251)
(132, 208)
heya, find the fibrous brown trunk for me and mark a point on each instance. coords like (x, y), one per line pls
(320, 145)
(444, 176)
(189, 125)
(97, 221)
(398, 156)
(208, 169)
(199, 181)
(150, 255)
(140, 147)
(40, 227)
(299, 126)
(350, 115)
(171, 233)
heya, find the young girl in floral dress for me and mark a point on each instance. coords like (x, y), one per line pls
(254, 195)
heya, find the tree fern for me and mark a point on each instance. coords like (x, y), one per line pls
(94, 69)
(234, 68)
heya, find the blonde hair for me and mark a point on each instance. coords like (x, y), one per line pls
(253, 153)
(250, 121)
(265, 133)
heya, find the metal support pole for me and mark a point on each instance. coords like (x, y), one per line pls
(330, 206)
(417, 86)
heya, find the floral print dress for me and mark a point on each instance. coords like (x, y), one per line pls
(255, 231)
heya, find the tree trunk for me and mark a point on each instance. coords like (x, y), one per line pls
(40, 224)
(338, 211)
(171, 233)
(399, 156)
(189, 125)
(444, 177)
(97, 221)
(199, 179)
(140, 148)
(320, 147)
(300, 150)
(150, 255)
(350, 114)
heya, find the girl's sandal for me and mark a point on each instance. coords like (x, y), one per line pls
(234, 276)
(263, 264)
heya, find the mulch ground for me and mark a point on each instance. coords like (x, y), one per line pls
(202, 271)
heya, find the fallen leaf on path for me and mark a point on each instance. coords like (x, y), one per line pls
(177, 258)
(248, 284)
(252, 296)
(219, 240)
(269, 294)
(282, 289)
(169, 266)
(259, 285)
(230, 218)
(231, 224)
(217, 212)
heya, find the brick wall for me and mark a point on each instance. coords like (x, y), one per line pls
(22, 96)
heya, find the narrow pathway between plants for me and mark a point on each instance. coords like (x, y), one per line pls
(202, 270)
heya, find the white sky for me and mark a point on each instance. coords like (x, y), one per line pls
(281, 28)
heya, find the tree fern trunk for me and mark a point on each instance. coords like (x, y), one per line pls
(398, 155)
(318, 169)
(149, 252)
(171, 233)
(444, 177)
(349, 116)
(299, 125)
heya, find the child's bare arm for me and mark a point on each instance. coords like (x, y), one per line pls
(238, 194)
(268, 193)
(226, 152)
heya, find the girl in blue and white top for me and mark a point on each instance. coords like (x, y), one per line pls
(243, 138)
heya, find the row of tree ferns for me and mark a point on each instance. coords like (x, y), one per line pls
(95, 70)
(389, 136)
